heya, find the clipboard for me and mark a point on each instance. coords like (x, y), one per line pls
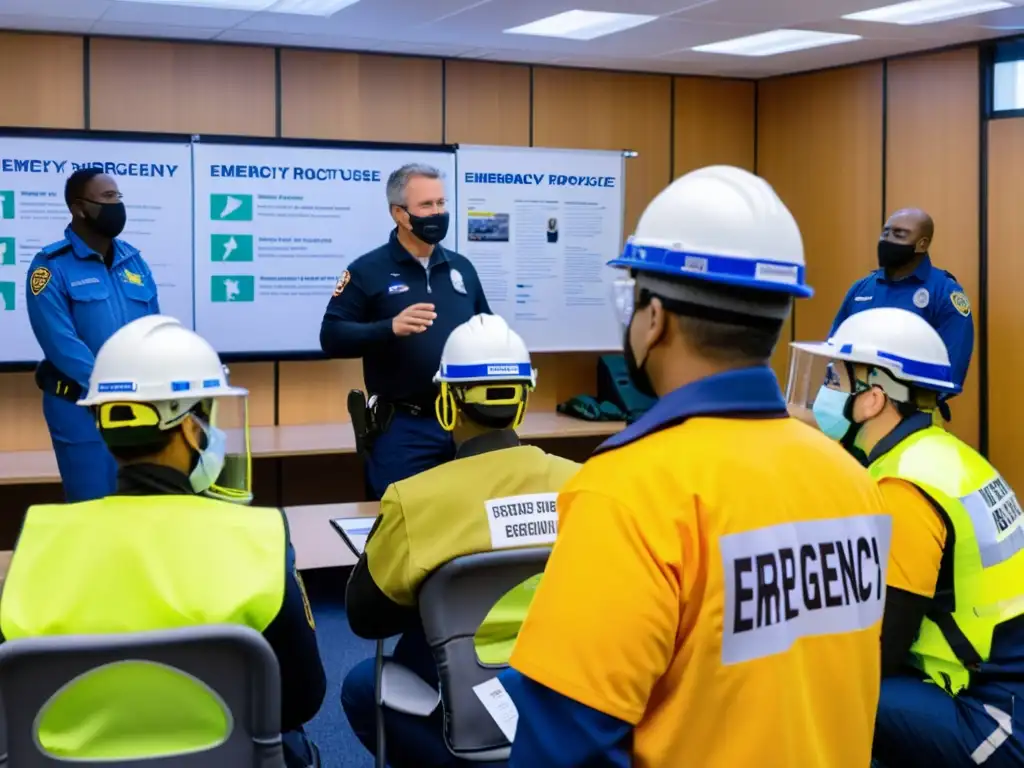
(354, 531)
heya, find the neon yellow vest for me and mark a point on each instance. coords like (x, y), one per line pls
(130, 564)
(988, 561)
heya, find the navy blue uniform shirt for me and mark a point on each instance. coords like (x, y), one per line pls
(75, 303)
(378, 286)
(932, 293)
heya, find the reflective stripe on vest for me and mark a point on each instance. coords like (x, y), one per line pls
(988, 562)
(131, 564)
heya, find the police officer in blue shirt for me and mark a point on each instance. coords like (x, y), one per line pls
(395, 307)
(80, 291)
(906, 279)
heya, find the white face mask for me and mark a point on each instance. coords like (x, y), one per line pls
(211, 460)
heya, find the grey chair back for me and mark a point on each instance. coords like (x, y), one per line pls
(235, 662)
(454, 601)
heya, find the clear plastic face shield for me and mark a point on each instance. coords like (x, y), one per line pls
(225, 461)
(807, 374)
(222, 468)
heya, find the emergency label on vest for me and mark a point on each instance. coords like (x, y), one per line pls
(529, 520)
(805, 579)
(996, 516)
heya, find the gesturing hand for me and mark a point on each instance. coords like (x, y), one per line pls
(413, 319)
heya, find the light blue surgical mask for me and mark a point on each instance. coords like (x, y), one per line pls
(829, 411)
(211, 460)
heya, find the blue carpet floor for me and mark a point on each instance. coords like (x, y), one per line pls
(340, 651)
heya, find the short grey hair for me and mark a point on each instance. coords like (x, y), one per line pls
(399, 180)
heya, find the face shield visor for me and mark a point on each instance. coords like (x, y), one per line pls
(808, 373)
(224, 466)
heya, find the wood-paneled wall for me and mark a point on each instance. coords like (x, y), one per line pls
(675, 124)
(845, 147)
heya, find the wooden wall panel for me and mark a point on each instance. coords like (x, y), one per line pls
(609, 110)
(182, 87)
(47, 94)
(487, 103)
(327, 95)
(1005, 278)
(43, 81)
(932, 161)
(820, 145)
(714, 123)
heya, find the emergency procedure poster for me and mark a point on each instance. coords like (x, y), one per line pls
(275, 227)
(155, 179)
(540, 226)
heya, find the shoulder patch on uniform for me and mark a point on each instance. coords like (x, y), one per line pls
(39, 279)
(56, 249)
(342, 282)
(960, 302)
(131, 277)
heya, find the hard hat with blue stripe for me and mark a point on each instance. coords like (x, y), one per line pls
(485, 372)
(720, 227)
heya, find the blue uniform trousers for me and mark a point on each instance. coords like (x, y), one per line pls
(87, 469)
(919, 725)
(410, 445)
(411, 742)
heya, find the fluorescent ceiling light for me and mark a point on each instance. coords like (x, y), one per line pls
(928, 11)
(300, 7)
(774, 42)
(581, 25)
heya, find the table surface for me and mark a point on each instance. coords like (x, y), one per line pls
(317, 543)
(29, 467)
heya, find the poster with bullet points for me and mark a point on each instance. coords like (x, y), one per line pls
(274, 229)
(156, 181)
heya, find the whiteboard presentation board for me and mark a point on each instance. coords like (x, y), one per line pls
(540, 226)
(156, 181)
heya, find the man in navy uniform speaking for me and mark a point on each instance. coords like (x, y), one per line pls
(395, 307)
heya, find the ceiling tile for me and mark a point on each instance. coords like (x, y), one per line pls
(55, 9)
(174, 15)
(773, 13)
(124, 29)
(297, 41)
(49, 24)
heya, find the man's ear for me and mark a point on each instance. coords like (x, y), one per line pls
(923, 244)
(192, 432)
(658, 320)
(870, 404)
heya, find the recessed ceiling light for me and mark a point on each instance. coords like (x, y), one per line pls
(775, 42)
(301, 7)
(928, 11)
(581, 25)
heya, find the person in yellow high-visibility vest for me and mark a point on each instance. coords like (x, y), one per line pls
(175, 546)
(953, 631)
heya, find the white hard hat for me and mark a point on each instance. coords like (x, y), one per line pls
(723, 225)
(894, 340)
(157, 360)
(484, 349)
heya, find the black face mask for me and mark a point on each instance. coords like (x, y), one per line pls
(110, 221)
(637, 375)
(894, 255)
(430, 229)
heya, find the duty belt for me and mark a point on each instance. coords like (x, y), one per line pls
(53, 382)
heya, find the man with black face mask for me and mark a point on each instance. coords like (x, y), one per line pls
(906, 279)
(395, 307)
(80, 291)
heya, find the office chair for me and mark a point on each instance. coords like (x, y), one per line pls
(453, 603)
(235, 665)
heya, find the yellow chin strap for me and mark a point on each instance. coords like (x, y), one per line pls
(446, 406)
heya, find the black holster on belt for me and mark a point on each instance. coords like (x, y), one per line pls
(52, 381)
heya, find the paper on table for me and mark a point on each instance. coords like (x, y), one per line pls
(354, 530)
(499, 706)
